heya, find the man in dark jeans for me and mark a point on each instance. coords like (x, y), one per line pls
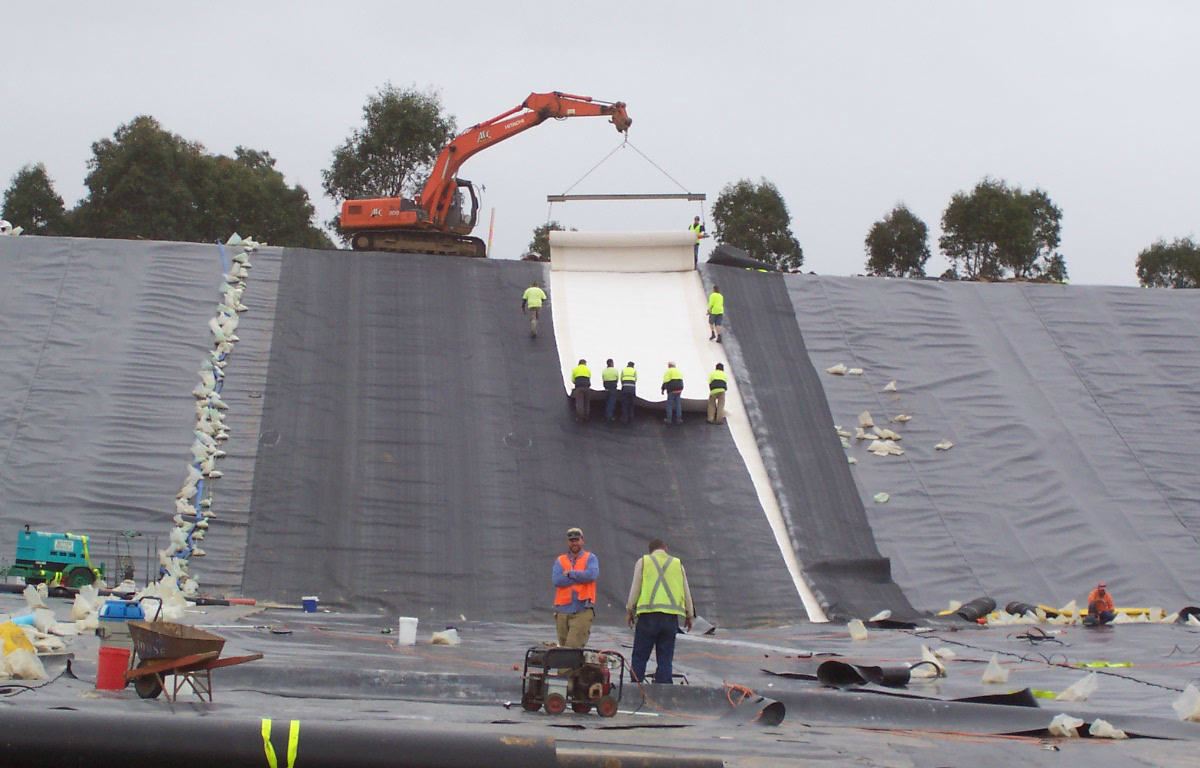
(658, 598)
(673, 386)
(628, 392)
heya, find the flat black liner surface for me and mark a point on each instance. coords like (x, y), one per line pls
(808, 468)
(418, 456)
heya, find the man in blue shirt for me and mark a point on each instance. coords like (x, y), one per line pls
(574, 576)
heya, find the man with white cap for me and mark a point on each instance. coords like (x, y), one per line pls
(574, 576)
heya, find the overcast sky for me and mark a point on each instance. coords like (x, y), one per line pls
(849, 108)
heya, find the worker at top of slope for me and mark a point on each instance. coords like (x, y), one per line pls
(628, 391)
(717, 384)
(716, 313)
(609, 377)
(698, 229)
(581, 377)
(574, 575)
(1100, 606)
(658, 597)
(673, 386)
(531, 304)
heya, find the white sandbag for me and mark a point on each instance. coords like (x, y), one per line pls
(865, 420)
(1070, 609)
(64, 629)
(88, 624)
(1187, 706)
(1192, 621)
(1080, 689)
(900, 419)
(883, 615)
(854, 372)
(858, 630)
(445, 637)
(1123, 618)
(1102, 729)
(82, 607)
(882, 498)
(49, 644)
(945, 654)
(34, 597)
(859, 434)
(994, 672)
(837, 370)
(1065, 726)
(851, 460)
(25, 665)
(43, 620)
(841, 432)
(891, 386)
(887, 434)
(944, 445)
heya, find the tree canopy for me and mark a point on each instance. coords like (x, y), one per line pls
(1170, 265)
(898, 245)
(148, 183)
(539, 247)
(392, 153)
(30, 202)
(755, 218)
(997, 231)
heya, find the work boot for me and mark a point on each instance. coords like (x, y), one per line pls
(712, 336)
(718, 339)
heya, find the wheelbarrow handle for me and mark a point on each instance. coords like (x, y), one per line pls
(158, 613)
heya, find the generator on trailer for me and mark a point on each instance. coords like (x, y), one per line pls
(579, 677)
(53, 558)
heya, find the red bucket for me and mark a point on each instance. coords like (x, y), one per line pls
(110, 672)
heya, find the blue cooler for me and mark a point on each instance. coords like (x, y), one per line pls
(113, 630)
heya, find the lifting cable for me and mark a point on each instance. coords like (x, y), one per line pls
(687, 195)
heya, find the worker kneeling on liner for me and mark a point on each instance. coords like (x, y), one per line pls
(1100, 606)
(659, 596)
(574, 576)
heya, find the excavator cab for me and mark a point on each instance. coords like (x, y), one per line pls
(457, 220)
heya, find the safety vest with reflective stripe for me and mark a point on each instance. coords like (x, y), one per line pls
(698, 229)
(628, 376)
(581, 376)
(717, 381)
(662, 585)
(562, 595)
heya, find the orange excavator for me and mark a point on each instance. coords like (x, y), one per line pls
(437, 222)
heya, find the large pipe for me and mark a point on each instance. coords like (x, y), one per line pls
(73, 739)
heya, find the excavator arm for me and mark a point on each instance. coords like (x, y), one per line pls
(438, 194)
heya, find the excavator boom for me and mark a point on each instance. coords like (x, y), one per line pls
(436, 223)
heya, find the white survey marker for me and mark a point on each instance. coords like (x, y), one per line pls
(637, 296)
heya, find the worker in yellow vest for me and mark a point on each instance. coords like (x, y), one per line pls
(574, 576)
(717, 384)
(658, 598)
(698, 230)
(672, 387)
(628, 391)
(716, 314)
(609, 378)
(581, 377)
(531, 305)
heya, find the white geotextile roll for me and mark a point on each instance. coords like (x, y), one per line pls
(622, 251)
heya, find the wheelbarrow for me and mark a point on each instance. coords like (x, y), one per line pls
(183, 653)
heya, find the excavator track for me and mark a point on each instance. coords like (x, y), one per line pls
(406, 241)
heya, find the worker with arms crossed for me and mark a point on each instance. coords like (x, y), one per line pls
(574, 576)
(658, 597)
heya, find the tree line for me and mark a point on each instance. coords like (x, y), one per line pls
(146, 182)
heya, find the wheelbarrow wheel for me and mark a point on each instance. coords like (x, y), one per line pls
(556, 704)
(147, 686)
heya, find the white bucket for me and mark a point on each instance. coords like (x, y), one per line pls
(407, 634)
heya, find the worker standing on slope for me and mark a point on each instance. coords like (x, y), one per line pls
(531, 304)
(673, 386)
(698, 229)
(717, 383)
(628, 391)
(581, 376)
(574, 576)
(609, 377)
(1100, 606)
(716, 313)
(658, 596)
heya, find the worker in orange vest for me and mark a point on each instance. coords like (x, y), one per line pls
(1100, 606)
(574, 576)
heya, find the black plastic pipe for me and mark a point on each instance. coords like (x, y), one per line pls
(977, 608)
(75, 739)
